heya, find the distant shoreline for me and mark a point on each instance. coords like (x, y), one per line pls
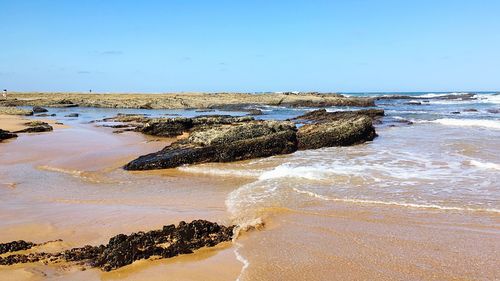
(183, 100)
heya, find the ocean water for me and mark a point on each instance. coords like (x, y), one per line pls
(423, 198)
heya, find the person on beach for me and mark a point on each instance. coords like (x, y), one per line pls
(4, 94)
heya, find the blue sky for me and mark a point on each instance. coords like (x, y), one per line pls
(183, 45)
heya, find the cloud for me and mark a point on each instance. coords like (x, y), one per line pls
(111, 53)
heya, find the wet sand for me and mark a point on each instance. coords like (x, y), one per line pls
(68, 184)
(15, 122)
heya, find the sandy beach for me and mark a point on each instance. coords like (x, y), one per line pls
(339, 213)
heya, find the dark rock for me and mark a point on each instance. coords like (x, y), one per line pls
(455, 112)
(15, 246)
(38, 109)
(36, 127)
(413, 103)
(494, 110)
(361, 102)
(125, 249)
(3, 136)
(341, 132)
(45, 115)
(321, 115)
(146, 106)
(470, 110)
(254, 112)
(117, 126)
(72, 115)
(223, 143)
(166, 127)
(205, 110)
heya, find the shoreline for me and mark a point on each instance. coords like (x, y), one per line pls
(182, 100)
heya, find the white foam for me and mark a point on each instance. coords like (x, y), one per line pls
(485, 165)
(220, 172)
(400, 204)
(287, 171)
(433, 95)
(241, 259)
(493, 124)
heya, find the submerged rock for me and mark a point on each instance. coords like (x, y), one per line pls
(223, 143)
(38, 109)
(123, 250)
(341, 132)
(72, 115)
(3, 136)
(36, 127)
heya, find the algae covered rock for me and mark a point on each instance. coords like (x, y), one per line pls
(341, 132)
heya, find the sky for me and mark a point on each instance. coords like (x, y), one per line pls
(249, 46)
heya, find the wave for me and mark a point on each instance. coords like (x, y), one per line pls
(493, 124)
(433, 95)
(393, 203)
(485, 165)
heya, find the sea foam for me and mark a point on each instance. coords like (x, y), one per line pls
(492, 124)
(485, 165)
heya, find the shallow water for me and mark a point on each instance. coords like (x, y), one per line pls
(420, 202)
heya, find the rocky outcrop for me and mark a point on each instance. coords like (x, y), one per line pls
(36, 127)
(72, 115)
(38, 109)
(321, 115)
(223, 143)
(123, 250)
(342, 132)
(3, 136)
(226, 139)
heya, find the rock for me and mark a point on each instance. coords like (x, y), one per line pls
(3, 136)
(146, 106)
(15, 246)
(36, 127)
(166, 243)
(341, 132)
(361, 102)
(223, 143)
(45, 115)
(38, 109)
(124, 249)
(166, 127)
(14, 111)
(72, 115)
(171, 127)
(117, 126)
(254, 112)
(455, 112)
(413, 103)
(321, 115)
(494, 110)
(470, 110)
(205, 110)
